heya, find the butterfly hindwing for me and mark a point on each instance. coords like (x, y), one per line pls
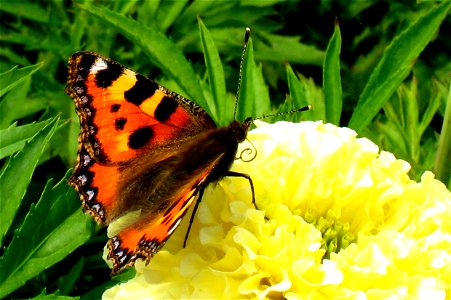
(146, 236)
(97, 185)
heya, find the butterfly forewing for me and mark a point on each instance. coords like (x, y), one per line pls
(123, 114)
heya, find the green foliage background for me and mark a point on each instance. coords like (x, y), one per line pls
(381, 68)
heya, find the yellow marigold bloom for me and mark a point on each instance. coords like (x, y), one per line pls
(336, 220)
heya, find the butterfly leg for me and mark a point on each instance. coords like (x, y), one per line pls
(246, 176)
(191, 219)
(201, 193)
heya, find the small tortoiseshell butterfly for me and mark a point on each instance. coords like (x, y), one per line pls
(142, 147)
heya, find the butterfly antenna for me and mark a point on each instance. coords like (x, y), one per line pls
(308, 107)
(246, 39)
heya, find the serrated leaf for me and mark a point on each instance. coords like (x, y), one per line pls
(395, 65)
(16, 174)
(332, 79)
(162, 50)
(14, 76)
(13, 138)
(52, 229)
(253, 98)
(221, 107)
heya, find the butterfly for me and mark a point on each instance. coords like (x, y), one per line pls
(142, 148)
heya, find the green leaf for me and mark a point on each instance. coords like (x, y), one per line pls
(288, 111)
(68, 281)
(395, 65)
(12, 57)
(24, 9)
(13, 139)
(168, 12)
(282, 49)
(332, 79)
(162, 50)
(431, 109)
(260, 3)
(12, 106)
(220, 106)
(401, 129)
(52, 229)
(16, 174)
(53, 296)
(296, 90)
(15, 76)
(443, 158)
(253, 98)
(303, 92)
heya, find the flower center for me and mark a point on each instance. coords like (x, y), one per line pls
(336, 234)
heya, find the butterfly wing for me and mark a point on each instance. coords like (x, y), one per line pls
(167, 190)
(123, 115)
(145, 237)
(142, 148)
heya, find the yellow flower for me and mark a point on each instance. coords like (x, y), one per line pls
(336, 219)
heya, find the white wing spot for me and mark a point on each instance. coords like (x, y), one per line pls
(99, 65)
(86, 160)
(171, 230)
(82, 179)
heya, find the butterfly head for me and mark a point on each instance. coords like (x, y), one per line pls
(239, 130)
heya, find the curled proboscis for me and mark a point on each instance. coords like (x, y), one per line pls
(248, 154)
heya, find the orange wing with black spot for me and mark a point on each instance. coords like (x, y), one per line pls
(141, 148)
(123, 115)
